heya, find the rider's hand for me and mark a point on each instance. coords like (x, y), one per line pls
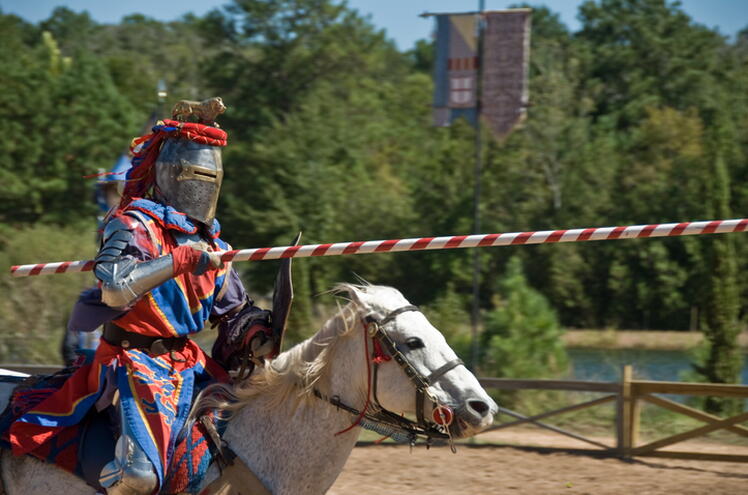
(208, 261)
(195, 259)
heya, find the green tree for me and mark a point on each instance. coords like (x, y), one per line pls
(60, 119)
(724, 360)
(661, 180)
(34, 310)
(645, 53)
(449, 314)
(522, 335)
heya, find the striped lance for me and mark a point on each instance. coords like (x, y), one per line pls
(432, 243)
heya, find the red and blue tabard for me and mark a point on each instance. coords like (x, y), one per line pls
(155, 392)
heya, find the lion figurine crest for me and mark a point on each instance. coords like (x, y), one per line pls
(205, 111)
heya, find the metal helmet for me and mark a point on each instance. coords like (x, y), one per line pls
(188, 178)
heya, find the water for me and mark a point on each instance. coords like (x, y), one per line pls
(606, 364)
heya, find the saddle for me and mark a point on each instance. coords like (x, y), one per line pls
(84, 448)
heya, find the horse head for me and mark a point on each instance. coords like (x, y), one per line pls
(425, 359)
(378, 360)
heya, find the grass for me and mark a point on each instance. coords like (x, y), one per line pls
(639, 339)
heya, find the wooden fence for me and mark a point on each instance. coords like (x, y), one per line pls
(628, 396)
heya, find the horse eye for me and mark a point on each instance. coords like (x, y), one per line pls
(414, 343)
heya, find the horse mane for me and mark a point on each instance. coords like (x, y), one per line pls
(295, 373)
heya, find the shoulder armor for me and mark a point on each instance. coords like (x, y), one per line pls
(120, 223)
(117, 234)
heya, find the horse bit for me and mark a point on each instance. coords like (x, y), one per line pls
(384, 421)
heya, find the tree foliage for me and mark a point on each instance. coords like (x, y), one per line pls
(329, 133)
(522, 334)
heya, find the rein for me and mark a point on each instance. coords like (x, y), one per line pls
(382, 420)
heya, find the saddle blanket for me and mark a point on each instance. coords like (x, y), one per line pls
(85, 447)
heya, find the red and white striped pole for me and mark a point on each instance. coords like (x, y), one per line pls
(431, 243)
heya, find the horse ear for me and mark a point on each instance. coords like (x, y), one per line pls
(352, 292)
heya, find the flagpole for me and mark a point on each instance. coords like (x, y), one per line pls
(475, 315)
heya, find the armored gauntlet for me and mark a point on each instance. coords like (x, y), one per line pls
(247, 335)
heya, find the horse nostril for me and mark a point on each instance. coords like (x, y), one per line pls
(479, 406)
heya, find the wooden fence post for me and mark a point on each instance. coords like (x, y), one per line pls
(627, 418)
(635, 407)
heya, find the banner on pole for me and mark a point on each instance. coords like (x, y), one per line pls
(506, 51)
(503, 69)
(456, 69)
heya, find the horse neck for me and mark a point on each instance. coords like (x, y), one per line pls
(292, 445)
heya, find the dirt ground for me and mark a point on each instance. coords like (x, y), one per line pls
(489, 469)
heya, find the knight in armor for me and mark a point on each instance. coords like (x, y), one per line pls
(160, 281)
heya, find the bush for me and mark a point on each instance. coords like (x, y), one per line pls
(34, 310)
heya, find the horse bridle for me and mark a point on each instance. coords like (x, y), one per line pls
(374, 329)
(411, 430)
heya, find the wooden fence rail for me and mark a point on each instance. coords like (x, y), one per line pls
(629, 394)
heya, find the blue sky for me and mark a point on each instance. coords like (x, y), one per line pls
(398, 17)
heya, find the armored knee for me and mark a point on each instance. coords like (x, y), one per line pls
(130, 473)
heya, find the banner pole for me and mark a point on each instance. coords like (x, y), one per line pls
(475, 314)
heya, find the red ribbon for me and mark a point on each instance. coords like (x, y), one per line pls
(368, 381)
(379, 355)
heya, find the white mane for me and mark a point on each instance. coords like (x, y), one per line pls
(295, 373)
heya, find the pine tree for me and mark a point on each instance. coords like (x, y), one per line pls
(723, 362)
(522, 335)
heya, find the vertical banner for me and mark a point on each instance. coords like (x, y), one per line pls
(506, 51)
(456, 68)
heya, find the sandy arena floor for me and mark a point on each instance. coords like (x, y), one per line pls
(389, 469)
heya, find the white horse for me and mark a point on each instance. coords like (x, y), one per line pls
(286, 434)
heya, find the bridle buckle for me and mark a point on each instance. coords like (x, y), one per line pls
(372, 328)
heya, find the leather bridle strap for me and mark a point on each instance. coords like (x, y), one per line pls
(421, 382)
(394, 314)
(373, 330)
(442, 370)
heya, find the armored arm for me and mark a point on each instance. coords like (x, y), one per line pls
(126, 272)
(123, 277)
(246, 330)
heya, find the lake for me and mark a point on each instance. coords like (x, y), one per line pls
(605, 364)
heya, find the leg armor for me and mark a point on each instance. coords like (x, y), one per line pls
(130, 473)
